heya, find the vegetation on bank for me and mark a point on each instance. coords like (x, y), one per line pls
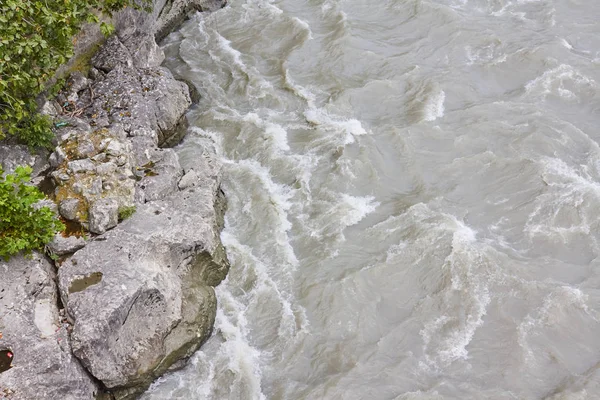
(23, 226)
(36, 37)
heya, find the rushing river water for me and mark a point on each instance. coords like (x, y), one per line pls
(414, 198)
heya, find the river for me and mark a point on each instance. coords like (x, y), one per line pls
(414, 192)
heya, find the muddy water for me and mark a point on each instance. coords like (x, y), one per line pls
(414, 192)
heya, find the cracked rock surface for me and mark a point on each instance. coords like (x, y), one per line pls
(30, 327)
(134, 295)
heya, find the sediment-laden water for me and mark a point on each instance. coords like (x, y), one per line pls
(414, 198)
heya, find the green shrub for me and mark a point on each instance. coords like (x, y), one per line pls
(22, 226)
(36, 37)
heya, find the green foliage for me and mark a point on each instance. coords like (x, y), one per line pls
(126, 212)
(36, 37)
(106, 29)
(23, 227)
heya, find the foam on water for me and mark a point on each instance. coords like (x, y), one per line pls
(434, 107)
(278, 196)
(564, 81)
(357, 208)
(349, 128)
(412, 199)
(463, 276)
(561, 300)
(565, 213)
(273, 132)
(469, 267)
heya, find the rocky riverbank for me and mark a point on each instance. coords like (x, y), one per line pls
(127, 293)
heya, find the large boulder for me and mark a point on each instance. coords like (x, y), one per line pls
(146, 102)
(142, 298)
(30, 327)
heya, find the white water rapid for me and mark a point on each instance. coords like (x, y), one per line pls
(414, 199)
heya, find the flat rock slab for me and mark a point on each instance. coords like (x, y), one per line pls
(42, 366)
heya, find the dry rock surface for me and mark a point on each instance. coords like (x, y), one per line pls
(43, 366)
(131, 293)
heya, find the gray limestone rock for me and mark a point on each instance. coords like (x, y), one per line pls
(142, 147)
(57, 157)
(46, 203)
(104, 215)
(188, 180)
(69, 208)
(140, 297)
(172, 100)
(115, 148)
(12, 156)
(76, 82)
(112, 54)
(162, 173)
(43, 366)
(50, 108)
(145, 52)
(158, 271)
(158, 304)
(177, 11)
(60, 176)
(65, 245)
(107, 174)
(107, 168)
(85, 148)
(79, 166)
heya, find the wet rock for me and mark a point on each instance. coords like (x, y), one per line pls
(43, 366)
(104, 215)
(179, 10)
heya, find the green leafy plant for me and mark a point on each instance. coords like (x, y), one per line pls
(107, 29)
(23, 227)
(36, 37)
(126, 212)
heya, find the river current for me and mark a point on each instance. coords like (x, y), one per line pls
(414, 198)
